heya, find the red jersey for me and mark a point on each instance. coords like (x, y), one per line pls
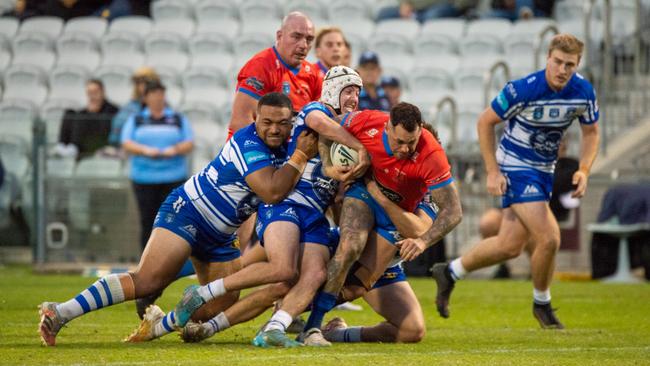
(266, 72)
(404, 181)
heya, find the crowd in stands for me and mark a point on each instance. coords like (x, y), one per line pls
(68, 9)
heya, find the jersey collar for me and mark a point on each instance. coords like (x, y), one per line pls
(322, 67)
(294, 70)
(384, 139)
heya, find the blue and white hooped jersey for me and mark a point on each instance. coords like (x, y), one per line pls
(314, 189)
(220, 192)
(537, 117)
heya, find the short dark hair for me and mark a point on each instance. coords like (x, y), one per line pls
(153, 85)
(407, 115)
(97, 82)
(275, 99)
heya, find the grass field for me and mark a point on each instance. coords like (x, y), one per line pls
(491, 324)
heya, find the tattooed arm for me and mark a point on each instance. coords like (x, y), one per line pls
(449, 215)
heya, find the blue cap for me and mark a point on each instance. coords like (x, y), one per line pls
(369, 57)
(390, 81)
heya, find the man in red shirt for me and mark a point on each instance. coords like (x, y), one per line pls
(281, 68)
(407, 163)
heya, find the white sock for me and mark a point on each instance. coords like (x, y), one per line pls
(350, 334)
(280, 321)
(212, 290)
(457, 270)
(165, 325)
(217, 324)
(104, 292)
(542, 297)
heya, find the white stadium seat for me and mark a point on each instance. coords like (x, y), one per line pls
(225, 27)
(31, 42)
(408, 28)
(254, 10)
(181, 26)
(76, 42)
(89, 59)
(345, 9)
(479, 44)
(494, 27)
(130, 60)
(8, 27)
(214, 10)
(453, 28)
(199, 111)
(44, 59)
(171, 9)
(178, 61)
(434, 44)
(136, 24)
(117, 82)
(48, 25)
(68, 83)
(95, 27)
(120, 43)
(159, 43)
(209, 44)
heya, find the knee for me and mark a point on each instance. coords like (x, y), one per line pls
(147, 284)
(489, 223)
(512, 250)
(314, 277)
(549, 243)
(277, 291)
(285, 274)
(412, 334)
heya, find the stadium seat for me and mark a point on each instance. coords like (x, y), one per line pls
(179, 61)
(34, 93)
(158, 43)
(199, 111)
(345, 9)
(313, 9)
(520, 53)
(361, 28)
(215, 10)
(493, 27)
(385, 44)
(136, 24)
(88, 59)
(479, 44)
(221, 61)
(250, 44)
(16, 117)
(8, 27)
(396, 60)
(226, 27)
(5, 58)
(98, 167)
(183, 27)
(93, 26)
(530, 28)
(208, 137)
(168, 76)
(68, 83)
(453, 28)
(466, 130)
(407, 28)
(27, 42)
(24, 75)
(120, 43)
(51, 26)
(117, 81)
(131, 60)
(43, 59)
(214, 95)
(449, 63)
(255, 10)
(479, 62)
(264, 26)
(434, 44)
(204, 77)
(60, 167)
(14, 158)
(422, 80)
(70, 42)
(209, 44)
(171, 9)
(174, 95)
(569, 10)
(9, 192)
(401, 73)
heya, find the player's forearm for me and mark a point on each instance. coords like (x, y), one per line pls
(407, 223)
(449, 214)
(589, 149)
(324, 146)
(331, 130)
(282, 181)
(486, 137)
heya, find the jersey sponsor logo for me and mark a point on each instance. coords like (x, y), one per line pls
(190, 229)
(255, 83)
(392, 195)
(372, 132)
(502, 101)
(286, 88)
(169, 218)
(531, 79)
(178, 204)
(530, 190)
(290, 212)
(546, 142)
(250, 143)
(253, 156)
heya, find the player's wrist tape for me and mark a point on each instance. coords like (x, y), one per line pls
(298, 160)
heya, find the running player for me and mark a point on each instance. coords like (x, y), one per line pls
(199, 218)
(407, 162)
(538, 108)
(281, 68)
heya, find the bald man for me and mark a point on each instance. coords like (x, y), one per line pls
(281, 68)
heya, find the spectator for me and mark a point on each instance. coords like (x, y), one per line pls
(140, 78)
(392, 88)
(372, 95)
(423, 10)
(158, 139)
(520, 9)
(330, 47)
(84, 132)
(346, 57)
(24, 9)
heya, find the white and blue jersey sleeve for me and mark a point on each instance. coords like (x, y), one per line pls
(537, 117)
(314, 189)
(220, 192)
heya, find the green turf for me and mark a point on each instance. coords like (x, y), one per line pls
(491, 324)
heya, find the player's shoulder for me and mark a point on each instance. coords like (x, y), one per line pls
(430, 143)
(365, 116)
(310, 68)
(527, 85)
(581, 85)
(264, 58)
(314, 106)
(246, 138)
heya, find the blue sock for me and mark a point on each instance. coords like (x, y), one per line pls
(187, 270)
(323, 302)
